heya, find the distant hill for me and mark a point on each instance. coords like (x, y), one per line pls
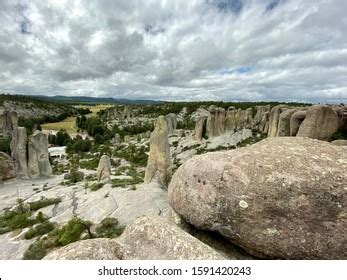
(96, 100)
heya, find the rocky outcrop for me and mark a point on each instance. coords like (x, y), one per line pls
(200, 128)
(232, 119)
(260, 112)
(19, 152)
(295, 121)
(320, 123)
(103, 171)
(284, 122)
(171, 120)
(283, 197)
(7, 169)
(340, 142)
(38, 158)
(246, 119)
(159, 159)
(144, 239)
(264, 124)
(274, 119)
(8, 122)
(215, 121)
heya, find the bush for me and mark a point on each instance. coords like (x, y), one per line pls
(43, 202)
(136, 156)
(95, 186)
(39, 229)
(109, 228)
(5, 145)
(72, 231)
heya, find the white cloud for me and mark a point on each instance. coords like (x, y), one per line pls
(176, 50)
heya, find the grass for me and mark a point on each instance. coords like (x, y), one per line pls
(94, 187)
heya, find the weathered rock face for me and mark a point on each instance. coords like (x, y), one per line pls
(264, 124)
(8, 122)
(246, 119)
(144, 239)
(232, 119)
(339, 142)
(261, 111)
(7, 170)
(283, 197)
(19, 151)
(274, 119)
(200, 128)
(103, 172)
(171, 120)
(295, 121)
(38, 159)
(215, 122)
(284, 123)
(320, 123)
(159, 160)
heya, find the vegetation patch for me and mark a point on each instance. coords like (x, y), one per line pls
(43, 202)
(109, 228)
(39, 230)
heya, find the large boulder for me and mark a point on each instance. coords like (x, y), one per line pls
(7, 169)
(232, 119)
(264, 124)
(216, 121)
(295, 121)
(38, 158)
(143, 239)
(284, 122)
(103, 171)
(246, 119)
(321, 123)
(19, 151)
(200, 128)
(283, 197)
(260, 112)
(159, 160)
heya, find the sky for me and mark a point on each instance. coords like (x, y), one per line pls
(231, 50)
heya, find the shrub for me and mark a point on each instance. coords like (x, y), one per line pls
(5, 145)
(39, 229)
(95, 186)
(72, 231)
(43, 202)
(109, 228)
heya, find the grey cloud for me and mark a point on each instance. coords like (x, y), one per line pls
(176, 50)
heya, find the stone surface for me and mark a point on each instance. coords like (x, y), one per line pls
(171, 120)
(246, 119)
(7, 169)
(320, 123)
(200, 128)
(159, 159)
(264, 124)
(215, 122)
(103, 171)
(295, 121)
(38, 158)
(260, 112)
(274, 119)
(232, 119)
(339, 142)
(283, 197)
(144, 239)
(284, 122)
(19, 151)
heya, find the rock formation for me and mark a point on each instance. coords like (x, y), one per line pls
(320, 123)
(215, 122)
(7, 169)
(264, 124)
(284, 122)
(274, 119)
(159, 160)
(19, 151)
(339, 142)
(283, 197)
(171, 122)
(38, 158)
(200, 128)
(8, 122)
(103, 172)
(295, 121)
(232, 119)
(246, 119)
(144, 239)
(260, 112)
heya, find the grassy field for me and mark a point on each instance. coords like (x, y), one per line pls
(69, 124)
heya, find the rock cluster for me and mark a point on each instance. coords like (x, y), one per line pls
(171, 120)
(317, 121)
(144, 239)
(159, 159)
(283, 197)
(8, 122)
(30, 155)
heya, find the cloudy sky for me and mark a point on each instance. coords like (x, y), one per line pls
(288, 50)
